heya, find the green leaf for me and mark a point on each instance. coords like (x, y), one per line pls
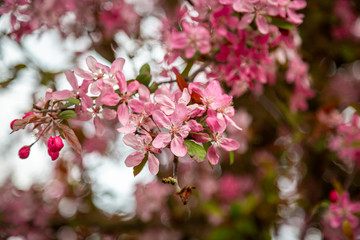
(231, 156)
(195, 150)
(71, 137)
(144, 78)
(73, 100)
(153, 87)
(145, 69)
(137, 169)
(281, 23)
(67, 114)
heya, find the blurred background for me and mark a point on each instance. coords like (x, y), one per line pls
(278, 186)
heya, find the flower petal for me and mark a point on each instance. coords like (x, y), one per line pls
(99, 126)
(180, 114)
(153, 163)
(117, 65)
(178, 147)
(212, 155)
(134, 159)
(110, 99)
(123, 113)
(161, 140)
(229, 144)
(133, 141)
(70, 76)
(161, 119)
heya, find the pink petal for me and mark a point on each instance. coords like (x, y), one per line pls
(184, 131)
(195, 126)
(144, 93)
(189, 52)
(355, 207)
(161, 140)
(153, 164)
(213, 89)
(185, 97)
(99, 126)
(136, 105)
(213, 124)
(262, 24)
(212, 155)
(123, 113)
(133, 141)
(70, 76)
(132, 87)
(246, 20)
(161, 119)
(86, 102)
(134, 159)
(108, 113)
(91, 63)
(229, 144)
(84, 74)
(178, 40)
(64, 94)
(117, 65)
(180, 114)
(110, 99)
(122, 81)
(178, 147)
(229, 120)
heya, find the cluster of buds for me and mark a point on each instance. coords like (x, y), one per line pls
(55, 144)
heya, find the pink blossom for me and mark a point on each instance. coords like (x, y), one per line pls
(227, 144)
(101, 74)
(192, 39)
(288, 9)
(77, 92)
(111, 98)
(177, 130)
(218, 104)
(143, 146)
(343, 210)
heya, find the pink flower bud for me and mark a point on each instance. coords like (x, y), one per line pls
(53, 155)
(24, 152)
(28, 114)
(55, 144)
(333, 196)
(12, 124)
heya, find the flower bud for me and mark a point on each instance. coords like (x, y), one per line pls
(12, 124)
(27, 114)
(53, 155)
(24, 152)
(55, 144)
(333, 196)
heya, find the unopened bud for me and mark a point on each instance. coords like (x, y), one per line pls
(24, 152)
(53, 155)
(55, 144)
(28, 114)
(12, 124)
(333, 196)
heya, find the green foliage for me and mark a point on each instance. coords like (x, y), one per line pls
(67, 114)
(195, 150)
(145, 76)
(137, 169)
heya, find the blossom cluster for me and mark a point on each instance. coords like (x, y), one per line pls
(189, 120)
(345, 141)
(243, 43)
(70, 16)
(342, 214)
